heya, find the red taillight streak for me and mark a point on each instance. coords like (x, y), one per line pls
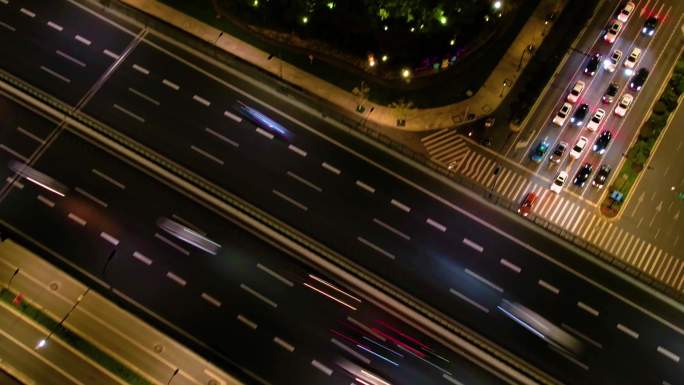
(402, 334)
(400, 343)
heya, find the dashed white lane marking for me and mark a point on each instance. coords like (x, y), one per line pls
(144, 96)
(290, 200)
(376, 247)
(141, 69)
(349, 350)
(171, 243)
(365, 186)
(258, 295)
(211, 299)
(221, 137)
(91, 197)
(16, 183)
(582, 336)
(472, 245)
(206, 154)
(451, 379)
(627, 331)
(7, 26)
(470, 301)
(46, 201)
(27, 12)
(201, 100)
(111, 54)
(400, 205)
(303, 181)
(231, 115)
(296, 150)
(283, 344)
(56, 74)
(587, 308)
(14, 153)
(275, 275)
(331, 168)
(55, 26)
(510, 265)
(170, 84)
(251, 324)
(391, 229)
(109, 179)
(70, 58)
(30, 135)
(264, 133)
(484, 280)
(436, 224)
(548, 286)
(82, 40)
(668, 354)
(176, 278)
(129, 113)
(77, 219)
(322, 367)
(142, 258)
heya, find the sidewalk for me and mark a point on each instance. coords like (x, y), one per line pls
(483, 102)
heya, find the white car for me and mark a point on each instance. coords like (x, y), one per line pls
(632, 59)
(623, 106)
(613, 31)
(559, 182)
(626, 12)
(596, 120)
(576, 91)
(576, 151)
(611, 63)
(562, 114)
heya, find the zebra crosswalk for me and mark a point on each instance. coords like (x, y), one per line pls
(452, 150)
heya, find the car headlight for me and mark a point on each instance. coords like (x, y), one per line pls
(644, 30)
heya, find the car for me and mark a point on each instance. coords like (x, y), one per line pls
(639, 79)
(263, 121)
(626, 12)
(602, 141)
(613, 31)
(579, 115)
(593, 64)
(623, 106)
(576, 91)
(611, 92)
(559, 182)
(596, 119)
(601, 176)
(611, 63)
(632, 60)
(562, 114)
(527, 203)
(576, 151)
(650, 26)
(582, 175)
(539, 151)
(557, 154)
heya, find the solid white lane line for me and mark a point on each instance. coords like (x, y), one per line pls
(7, 26)
(144, 96)
(30, 135)
(436, 224)
(275, 275)
(283, 344)
(109, 238)
(668, 354)
(473, 245)
(46, 201)
(400, 205)
(258, 295)
(365, 186)
(627, 331)
(303, 181)
(451, 379)
(296, 150)
(321, 367)
(141, 69)
(142, 258)
(211, 299)
(110, 54)
(171, 243)
(330, 168)
(587, 308)
(351, 351)
(290, 200)
(582, 335)
(264, 133)
(201, 100)
(176, 278)
(171, 84)
(77, 219)
(206, 154)
(484, 280)
(548, 286)
(366, 329)
(70, 58)
(129, 113)
(27, 12)
(82, 40)
(251, 324)
(14, 153)
(91, 197)
(56, 74)
(221, 137)
(55, 26)
(231, 115)
(109, 179)
(470, 301)
(376, 247)
(510, 265)
(391, 229)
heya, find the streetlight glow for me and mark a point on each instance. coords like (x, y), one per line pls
(405, 73)
(305, 19)
(497, 5)
(41, 343)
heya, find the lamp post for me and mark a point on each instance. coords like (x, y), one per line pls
(529, 49)
(45, 340)
(506, 83)
(365, 119)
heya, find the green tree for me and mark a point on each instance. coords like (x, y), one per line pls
(639, 153)
(361, 93)
(402, 109)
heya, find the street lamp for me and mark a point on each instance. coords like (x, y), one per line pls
(497, 5)
(506, 83)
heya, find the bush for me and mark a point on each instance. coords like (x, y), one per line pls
(659, 108)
